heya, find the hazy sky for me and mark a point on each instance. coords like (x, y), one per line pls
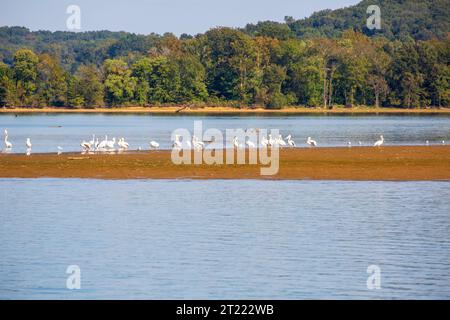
(146, 16)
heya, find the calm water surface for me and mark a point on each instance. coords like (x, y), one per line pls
(48, 131)
(166, 239)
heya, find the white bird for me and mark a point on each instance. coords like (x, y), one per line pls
(111, 144)
(280, 141)
(60, 150)
(271, 141)
(427, 142)
(264, 142)
(360, 143)
(96, 144)
(379, 142)
(349, 144)
(235, 143)
(443, 141)
(250, 144)
(8, 145)
(311, 142)
(28, 143)
(176, 142)
(92, 142)
(123, 144)
(290, 142)
(197, 143)
(103, 144)
(154, 145)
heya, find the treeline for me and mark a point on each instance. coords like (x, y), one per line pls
(228, 66)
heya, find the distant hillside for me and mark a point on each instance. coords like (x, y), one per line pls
(419, 19)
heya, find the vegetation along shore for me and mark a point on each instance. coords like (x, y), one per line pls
(328, 59)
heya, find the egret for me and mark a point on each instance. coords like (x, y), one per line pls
(8, 145)
(28, 143)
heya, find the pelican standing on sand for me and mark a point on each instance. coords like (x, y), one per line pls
(154, 145)
(380, 142)
(8, 145)
(311, 142)
(28, 143)
(250, 144)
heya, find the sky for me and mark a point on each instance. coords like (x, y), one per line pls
(159, 16)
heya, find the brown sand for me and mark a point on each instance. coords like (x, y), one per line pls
(357, 163)
(228, 110)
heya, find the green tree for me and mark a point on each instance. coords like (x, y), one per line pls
(119, 84)
(25, 75)
(52, 85)
(88, 89)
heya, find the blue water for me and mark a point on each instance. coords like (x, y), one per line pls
(48, 131)
(163, 239)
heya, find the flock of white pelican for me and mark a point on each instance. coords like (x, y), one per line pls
(106, 145)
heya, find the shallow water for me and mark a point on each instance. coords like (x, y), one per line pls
(48, 131)
(167, 239)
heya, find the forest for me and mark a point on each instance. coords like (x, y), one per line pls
(269, 64)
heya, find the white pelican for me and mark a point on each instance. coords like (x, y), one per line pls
(154, 145)
(197, 143)
(427, 142)
(250, 144)
(111, 144)
(379, 142)
(103, 144)
(96, 144)
(60, 150)
(28, 143)
(271, 141)
(280, 141)
(290, 142)
(176, 142)
(123, 144)
(8, 145)
(235, 143)
(311, 142)
(349, 144)
(443, 141)
(92, 142)
(360, 143)
(264, 142)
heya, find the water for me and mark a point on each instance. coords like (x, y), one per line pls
(48, 131)
(150, 239)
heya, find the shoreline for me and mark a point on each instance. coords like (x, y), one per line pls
(391, 163)
(228, 110)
